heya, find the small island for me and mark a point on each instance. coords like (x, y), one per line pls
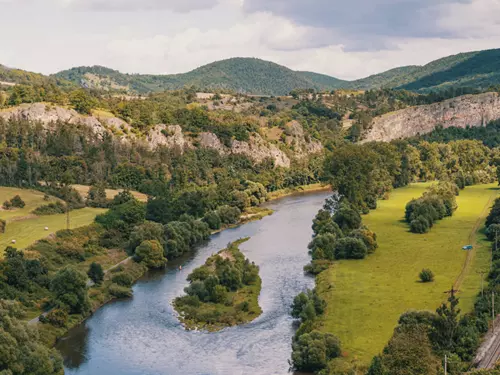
(222, 293)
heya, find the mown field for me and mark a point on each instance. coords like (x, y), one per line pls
(365, 298)
(26, 228)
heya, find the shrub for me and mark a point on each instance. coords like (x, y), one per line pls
(17, 202)
(50, 209)
(96, 273)
(312, 351)
(317, 266)
(229, 215)
(57, 318)
(350, 248)
(3, 226)
(323, 247)
(7, 205)
(123, 279)
(151, 254)
(213, 220)
(419, 225)
(426, 276)
(119, 291)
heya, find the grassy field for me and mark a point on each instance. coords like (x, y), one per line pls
(110, 193)
(26, 228)
(365, 298)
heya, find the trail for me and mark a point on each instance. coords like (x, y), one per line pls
(473, 241)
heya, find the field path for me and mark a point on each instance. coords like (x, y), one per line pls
(473, 241)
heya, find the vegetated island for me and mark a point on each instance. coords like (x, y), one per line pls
(222, 293)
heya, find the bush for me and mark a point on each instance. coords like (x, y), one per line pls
(50, 209)
(96, 273)
(213, 220)
(419, 225)
(57, 318)
(426, 276)
(7, 205)
(323, 247)
(312, 351)
(229, 215)
(3, 226)
(17, 202)
(307, 305)
(123, 279)
(119, 291)
(317, 266)
(151, 254)
(350, 248)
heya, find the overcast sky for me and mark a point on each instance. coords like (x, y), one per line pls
(343, 38)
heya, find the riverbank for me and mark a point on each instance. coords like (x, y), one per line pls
(365, 298)
(312, 188)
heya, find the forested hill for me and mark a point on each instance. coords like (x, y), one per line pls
(245, 75)
(478, 70)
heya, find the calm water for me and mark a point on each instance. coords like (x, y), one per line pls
(143, 336)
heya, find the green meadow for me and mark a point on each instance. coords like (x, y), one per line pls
(26, 228)
(366, 297)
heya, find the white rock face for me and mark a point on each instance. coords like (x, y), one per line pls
(168, 136)
(259, 150)
(468, 110)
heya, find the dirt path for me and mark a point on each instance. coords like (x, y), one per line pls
(473, 241)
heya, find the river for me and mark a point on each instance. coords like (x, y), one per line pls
(142, 335)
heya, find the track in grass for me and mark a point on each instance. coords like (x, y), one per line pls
(365, 298)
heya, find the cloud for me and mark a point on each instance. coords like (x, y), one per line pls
(363, 24)
(181, 6)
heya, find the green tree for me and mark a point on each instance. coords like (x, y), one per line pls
(96, 273)
(70, 289)
(82, 101)
(312, 351)
(151, 254)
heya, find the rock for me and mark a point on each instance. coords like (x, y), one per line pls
(460, 112)
(168, 136)
(210, 140)
(259, 150)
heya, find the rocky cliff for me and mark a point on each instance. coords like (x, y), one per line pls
(468, 110)
(161, 135)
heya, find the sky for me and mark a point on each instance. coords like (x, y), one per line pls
(348, 39)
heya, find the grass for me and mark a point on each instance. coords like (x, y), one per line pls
(365, 298)
(27, 228)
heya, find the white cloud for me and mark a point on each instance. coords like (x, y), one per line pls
(50, 36)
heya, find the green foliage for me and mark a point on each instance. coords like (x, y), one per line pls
(56, 317)
(21, 352)
(151, 254)
(50, 209)
(70, 290)
(183, 236)
(317, 266)
(426, 275)
(96, 196)
(312, 351)
(82, 101)
(123, 279)
(119, 291)
(213, 220)
(307, 305)
(3, 225)
(148, 231)
(96, 273)
(222, 292)
(15, 202)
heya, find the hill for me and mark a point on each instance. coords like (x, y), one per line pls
(245, 75)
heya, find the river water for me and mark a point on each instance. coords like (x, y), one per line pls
(142, 335)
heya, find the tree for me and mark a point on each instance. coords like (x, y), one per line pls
(446, 325)
(350, 248)
(148, 231)
(151, 254)
(312, 351)
(96, 273)
(70, 289)
(82, 101)
(21, 352)
(347, 218)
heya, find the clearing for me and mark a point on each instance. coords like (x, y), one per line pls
(110, 193)
(27, 228)
(365, 298)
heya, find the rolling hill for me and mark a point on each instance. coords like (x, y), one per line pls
(254, 76)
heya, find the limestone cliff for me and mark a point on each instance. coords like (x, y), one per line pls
(468, 110)
(172, 136)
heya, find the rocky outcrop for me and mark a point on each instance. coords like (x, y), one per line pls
(171, 136)
(259, 150)
(468, 110)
